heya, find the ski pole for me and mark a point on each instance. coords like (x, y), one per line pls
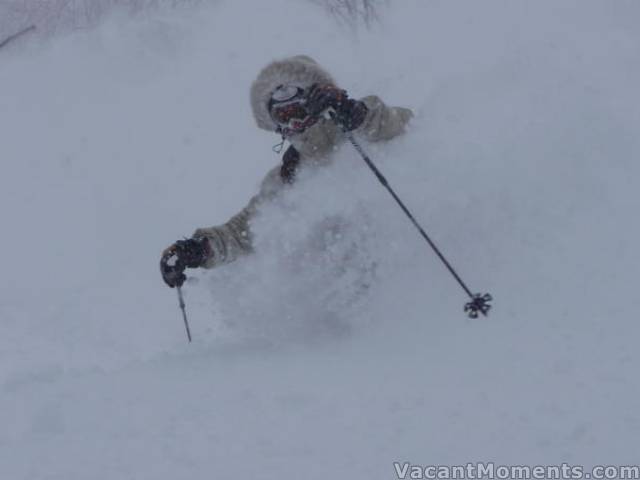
(479, 302)
(184, 312)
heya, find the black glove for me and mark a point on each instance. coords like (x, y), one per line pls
(189, 253)
(349, 113)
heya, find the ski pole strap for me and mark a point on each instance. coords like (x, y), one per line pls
(479, 302)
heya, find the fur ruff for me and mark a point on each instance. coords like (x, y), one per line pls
(300, 70)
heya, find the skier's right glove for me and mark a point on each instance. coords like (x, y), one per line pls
(189, 253)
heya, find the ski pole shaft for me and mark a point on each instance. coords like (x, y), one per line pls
(184, 312)
(478, 302)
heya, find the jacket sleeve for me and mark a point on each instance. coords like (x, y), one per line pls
(234, 239)
(383, 122)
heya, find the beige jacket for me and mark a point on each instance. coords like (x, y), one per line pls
(232, 239)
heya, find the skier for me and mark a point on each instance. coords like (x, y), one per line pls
(291, 97)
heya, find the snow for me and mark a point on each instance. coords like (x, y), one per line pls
(521, 163)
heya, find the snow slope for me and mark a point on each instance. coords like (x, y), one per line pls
(521, 162)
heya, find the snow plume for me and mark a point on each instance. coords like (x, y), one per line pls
(319, 252)
(311, 358)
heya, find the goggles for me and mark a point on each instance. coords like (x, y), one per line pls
(283, 93)
(287, 109)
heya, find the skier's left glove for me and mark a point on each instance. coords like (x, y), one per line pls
(189, 253)
(348, 113)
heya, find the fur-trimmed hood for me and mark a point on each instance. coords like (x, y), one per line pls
(300, 70)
